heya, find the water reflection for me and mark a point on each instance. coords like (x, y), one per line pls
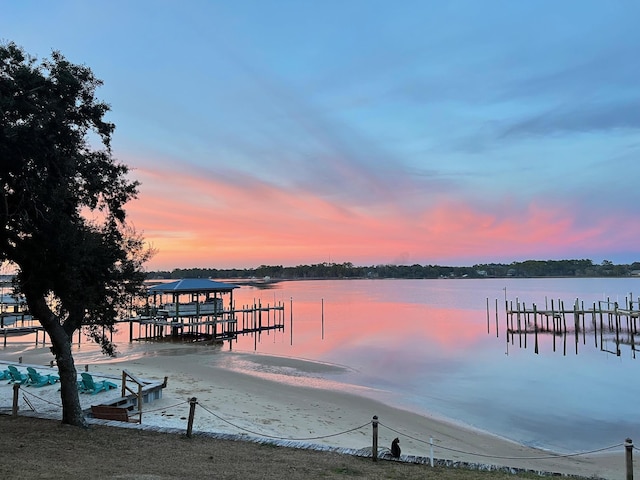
(424, 345)
(605, 326)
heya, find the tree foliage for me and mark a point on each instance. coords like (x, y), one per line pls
(527, 268)
(62, 204)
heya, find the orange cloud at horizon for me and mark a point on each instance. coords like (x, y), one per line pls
(206, 221)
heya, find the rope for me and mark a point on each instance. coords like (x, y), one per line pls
(543, 457)
(401, 433)
(281, 438)
(60, 406)
(24, 392)
(165, 408)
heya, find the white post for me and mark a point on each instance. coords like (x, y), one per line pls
(431, 451)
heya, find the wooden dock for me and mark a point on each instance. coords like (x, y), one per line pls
(15, 331)
(216, 327)
(190, 310)
(606, 321)
(223, 325)
(135, 393)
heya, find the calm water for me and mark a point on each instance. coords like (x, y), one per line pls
(423, 345)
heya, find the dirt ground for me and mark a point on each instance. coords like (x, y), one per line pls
(33, 448)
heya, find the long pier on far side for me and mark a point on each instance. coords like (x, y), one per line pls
(607, 321)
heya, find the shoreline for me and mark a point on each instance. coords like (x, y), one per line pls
(231, 401)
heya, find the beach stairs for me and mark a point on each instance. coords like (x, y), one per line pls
(129, 407)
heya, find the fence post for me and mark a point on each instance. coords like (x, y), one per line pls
(16, 392)
(374, 447)
(192, 409)
(431, 451)
(628, 446)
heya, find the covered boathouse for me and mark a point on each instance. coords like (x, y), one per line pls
(201, 309)
(204, 297)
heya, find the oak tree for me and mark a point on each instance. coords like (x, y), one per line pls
(62, 199)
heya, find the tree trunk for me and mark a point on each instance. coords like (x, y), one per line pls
(71, 409)
(61, 347)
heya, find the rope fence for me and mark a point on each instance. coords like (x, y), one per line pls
(280, 438)
(476, 454)
(376, 452)
(44, 400)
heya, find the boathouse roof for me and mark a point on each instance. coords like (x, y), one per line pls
(192, 285)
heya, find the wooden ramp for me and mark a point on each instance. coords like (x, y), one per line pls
(129, 407)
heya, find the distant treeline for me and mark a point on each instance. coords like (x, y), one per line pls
(528, 268)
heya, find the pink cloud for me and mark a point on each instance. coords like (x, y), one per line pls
(200, 219)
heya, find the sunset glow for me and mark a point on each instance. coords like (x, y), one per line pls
(249, 223)
(411, 133)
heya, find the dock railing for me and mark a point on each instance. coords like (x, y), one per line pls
(136, 391)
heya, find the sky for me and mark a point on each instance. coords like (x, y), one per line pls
(277, 132)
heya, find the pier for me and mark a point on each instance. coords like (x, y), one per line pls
(204, 317)
(605, 322)
(24, 325)
(188, 310)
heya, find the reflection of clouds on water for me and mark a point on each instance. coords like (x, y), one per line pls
(430, 346)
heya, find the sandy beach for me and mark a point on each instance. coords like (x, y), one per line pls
(233, 402)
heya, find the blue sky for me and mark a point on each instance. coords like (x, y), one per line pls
(290, 132)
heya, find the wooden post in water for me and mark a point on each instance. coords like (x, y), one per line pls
(609, 313)
(617, 319)
(553, 323)
(526, 321)
(546, 308)
(291, 319)
(564, 328)
(497, 335)
(519, 325)
(374, 446)
(576, 323)
(584, 330)
(269, 318)
(255, 334)
(601, 326)
(535, 327)
(632, 326)
(488, 331)
(511, 316)
(594, 325)
(323, 318)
